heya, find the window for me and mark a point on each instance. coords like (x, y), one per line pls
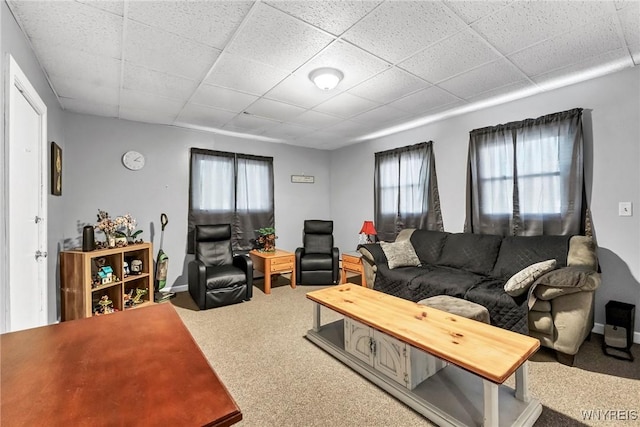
(406, 193)
(526, 177)
(230, 188)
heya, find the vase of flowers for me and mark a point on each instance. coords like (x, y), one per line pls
(108, 226)
(125, 226)
(266, 239)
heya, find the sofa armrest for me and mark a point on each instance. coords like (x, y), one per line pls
(197, 279)
(565, 281)
(573, 320)
(373, 252)
(244, 263)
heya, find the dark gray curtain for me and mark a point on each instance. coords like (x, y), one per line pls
(526, 178)
(231, 188)
(406, 190)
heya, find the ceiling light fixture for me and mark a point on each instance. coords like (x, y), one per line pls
(326, 78)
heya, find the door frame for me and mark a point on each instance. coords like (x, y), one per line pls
(17, 78)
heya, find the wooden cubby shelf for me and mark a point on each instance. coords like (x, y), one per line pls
(78, 270)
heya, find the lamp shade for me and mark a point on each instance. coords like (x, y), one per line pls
(326, 78)
(368, 228)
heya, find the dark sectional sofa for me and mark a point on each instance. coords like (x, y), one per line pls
(476, 267)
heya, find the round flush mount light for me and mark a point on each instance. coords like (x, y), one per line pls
(326, 78)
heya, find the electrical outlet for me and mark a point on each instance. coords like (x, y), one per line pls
(625, 209)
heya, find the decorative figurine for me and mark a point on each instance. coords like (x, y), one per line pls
(136, 266)
(125, 267)
(139, 294)
(105, 274)
(105, 306)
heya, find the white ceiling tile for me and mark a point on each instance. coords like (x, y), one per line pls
(112, 6)
(247, 122)
(277, 39)
(503, 90)
(315, 119)
(482, 79)
(195, 20)
(630, 21)
(82, 90)
(288, 131)
(398, 29)
(619, 56)
(85, 107)
(201, 115)
(346, 105)
(389, 86)
(381, 115)
(162, 51)
(299, 90)
(142, 100)
(349, 128)
(424, 100)
(147, 116)
(274, 109)
(471, 11)
(449, 57)
(72, 25)
(356, 64)
(222, 98)
(80, 65)
(143, 79)
(334, 17)
(573, 47)
(235, 72)
(524, 23)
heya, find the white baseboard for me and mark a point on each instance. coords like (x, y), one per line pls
(598, 328)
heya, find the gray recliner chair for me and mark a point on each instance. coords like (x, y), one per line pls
(216, 276)
(317, 262)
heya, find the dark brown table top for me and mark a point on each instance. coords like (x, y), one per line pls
(138, 367)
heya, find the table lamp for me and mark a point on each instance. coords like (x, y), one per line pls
(369, 230)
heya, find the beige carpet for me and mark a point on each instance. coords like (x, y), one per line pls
(278, 378)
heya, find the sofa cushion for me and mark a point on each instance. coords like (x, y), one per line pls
(568, 277)
(582, 252)
(520, 282)
(506, 311)
(518, 252)
(471, 252)
(428, 244)
(400, 254)
(547, 293)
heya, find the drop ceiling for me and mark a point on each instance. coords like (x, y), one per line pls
(241, 67)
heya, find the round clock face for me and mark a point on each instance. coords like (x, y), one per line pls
(133, 160)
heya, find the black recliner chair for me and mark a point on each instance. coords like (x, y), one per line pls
(216, 277)
(317, 262)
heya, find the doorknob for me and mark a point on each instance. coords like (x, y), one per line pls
(41, 254)
(38, 219)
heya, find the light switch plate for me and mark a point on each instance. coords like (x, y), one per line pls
(625, 209)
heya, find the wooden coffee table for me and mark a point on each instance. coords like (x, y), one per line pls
(137, 367)
(274, 263)
(447, 367)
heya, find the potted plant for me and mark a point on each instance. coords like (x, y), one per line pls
(266, 239)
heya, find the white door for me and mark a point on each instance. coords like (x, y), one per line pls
(26, 305)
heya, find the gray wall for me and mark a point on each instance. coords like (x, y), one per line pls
(612, 142)
(13, 42)
(95, 179)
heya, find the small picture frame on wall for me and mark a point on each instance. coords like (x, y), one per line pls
(56, 169)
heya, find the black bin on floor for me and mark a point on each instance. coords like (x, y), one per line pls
(618, 330)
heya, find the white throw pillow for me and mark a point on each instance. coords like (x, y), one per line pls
(400, 254)
(520, 282)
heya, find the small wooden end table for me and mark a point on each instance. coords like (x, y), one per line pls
(352, 262)
(273, 263)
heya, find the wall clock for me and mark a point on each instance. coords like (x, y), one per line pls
(133, 160)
